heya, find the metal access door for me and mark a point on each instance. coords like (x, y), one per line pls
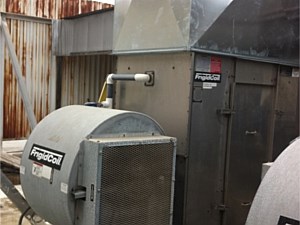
(210, 110)
(231, 132)
(251, 137)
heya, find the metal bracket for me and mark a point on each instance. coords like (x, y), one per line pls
(79, 193)
(254, 132)
(225, 112)
(279, 113)
(151, 81)
(222, 207)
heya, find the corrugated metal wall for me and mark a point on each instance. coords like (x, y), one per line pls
(54, 9)
(32, 40)
(82, 77)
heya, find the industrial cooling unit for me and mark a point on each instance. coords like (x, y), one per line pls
(86, 165)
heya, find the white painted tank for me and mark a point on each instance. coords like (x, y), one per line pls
(277, 201)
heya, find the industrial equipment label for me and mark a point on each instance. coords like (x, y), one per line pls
(37, 169)
(22, 169)
(46, 156)
(215, 64)
(209, 85)
(207, 77)
(64, 188)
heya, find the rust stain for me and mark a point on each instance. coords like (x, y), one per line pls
(32, 43)
(53, 9)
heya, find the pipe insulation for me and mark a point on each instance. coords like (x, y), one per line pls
(108, 103)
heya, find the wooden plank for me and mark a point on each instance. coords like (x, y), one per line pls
(10, 159)
(18, 72)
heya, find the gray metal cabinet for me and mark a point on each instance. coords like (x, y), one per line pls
(235, 126)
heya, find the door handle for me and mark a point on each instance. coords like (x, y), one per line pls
(251, 132)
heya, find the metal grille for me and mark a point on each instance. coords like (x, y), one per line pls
(136, 185)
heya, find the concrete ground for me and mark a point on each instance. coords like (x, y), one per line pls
(9, 214)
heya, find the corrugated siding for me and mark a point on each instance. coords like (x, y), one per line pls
(82, 77)
(32, 42)
(54, 9)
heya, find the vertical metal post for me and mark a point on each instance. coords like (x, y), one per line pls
(1, 82)
(18, 72)
(228, 146)
(299, 103)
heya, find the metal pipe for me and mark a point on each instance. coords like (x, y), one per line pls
(299, 103)
(108, 103)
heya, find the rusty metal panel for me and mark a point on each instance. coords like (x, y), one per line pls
(32, 42)
(53, 9)
(83, 77)
(2, 43)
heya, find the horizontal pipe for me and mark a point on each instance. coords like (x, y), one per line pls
(128, 77)
(125, 77)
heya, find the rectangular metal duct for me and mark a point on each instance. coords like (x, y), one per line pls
(143, 25)
(263, 30)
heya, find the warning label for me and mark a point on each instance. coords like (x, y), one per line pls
(215, 64)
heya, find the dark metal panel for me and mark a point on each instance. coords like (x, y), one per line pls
(250, 146)
(286, 111)
(206, 158)
(261, 29)
(255, 73)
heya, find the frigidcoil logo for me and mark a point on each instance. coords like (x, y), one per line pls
(287, 221)
(207, 77)
(46, 156)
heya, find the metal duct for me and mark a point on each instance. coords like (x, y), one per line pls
(263, 30)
